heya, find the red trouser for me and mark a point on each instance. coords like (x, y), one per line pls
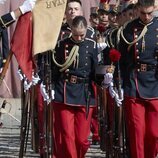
(71, 130)
(142, 127)
(41, 121)
(95, 125)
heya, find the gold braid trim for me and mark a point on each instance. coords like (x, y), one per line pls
(7, 23)
(110, 37)
(71, 58)
(4, 25)
(135, 40)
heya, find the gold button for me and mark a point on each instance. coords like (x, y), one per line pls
(4, 60)
(67, 70)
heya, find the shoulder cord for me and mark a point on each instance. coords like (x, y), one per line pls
(135, 40)
(110, 37)
(71, 58)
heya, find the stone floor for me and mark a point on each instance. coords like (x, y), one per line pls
(10, 134)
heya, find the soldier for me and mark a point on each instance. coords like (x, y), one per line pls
(103, 17)
(73, 9)
(139, 65)
(74, 94)
(7, 20)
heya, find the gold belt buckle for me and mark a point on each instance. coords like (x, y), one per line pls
(143, 67)
(73, 79)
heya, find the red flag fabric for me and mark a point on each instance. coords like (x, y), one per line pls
(21, 44)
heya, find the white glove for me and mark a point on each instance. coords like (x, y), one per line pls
(114, 94)
(20, 74)
(101, 46)
(111, 90)
(53, 94)
(108, 77)
(35, 79)
(27, 85)
(44, 93)
(2, 1)
(27, 6)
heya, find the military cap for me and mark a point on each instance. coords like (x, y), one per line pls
(113, 11)
(103, 8)
(94, 10)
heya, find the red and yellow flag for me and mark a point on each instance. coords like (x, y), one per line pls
(37, 32)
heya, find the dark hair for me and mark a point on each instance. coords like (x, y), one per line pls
(79, 20)
(78, 1)
(130, 6)
(146, 3)
(93, 15)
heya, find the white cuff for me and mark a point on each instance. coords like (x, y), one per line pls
(13, 15)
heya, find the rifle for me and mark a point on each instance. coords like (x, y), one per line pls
(5, 68)
(47, 109)
(49, 105)
(24, 121)
(106, 132)
(102, 117)
(34, 121)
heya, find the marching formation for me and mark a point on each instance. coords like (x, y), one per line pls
(101, 78)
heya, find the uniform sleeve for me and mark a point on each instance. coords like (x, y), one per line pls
(58, 57)
(5, 44)
(5, 21)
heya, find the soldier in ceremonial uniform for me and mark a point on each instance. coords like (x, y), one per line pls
(75, 60)
(139, 64)
(73, 9)
(7, 20)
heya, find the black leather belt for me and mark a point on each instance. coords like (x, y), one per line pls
(74, 79)
(146, 67)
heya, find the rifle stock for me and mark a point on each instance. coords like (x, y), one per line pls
(5, 68)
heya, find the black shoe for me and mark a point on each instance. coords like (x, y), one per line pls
(95, 142)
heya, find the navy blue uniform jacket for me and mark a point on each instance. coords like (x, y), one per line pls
(74, 93)
(137, 81)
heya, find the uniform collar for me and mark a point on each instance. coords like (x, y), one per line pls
(151, 22)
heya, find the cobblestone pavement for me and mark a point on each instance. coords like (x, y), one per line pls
(10, 134)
